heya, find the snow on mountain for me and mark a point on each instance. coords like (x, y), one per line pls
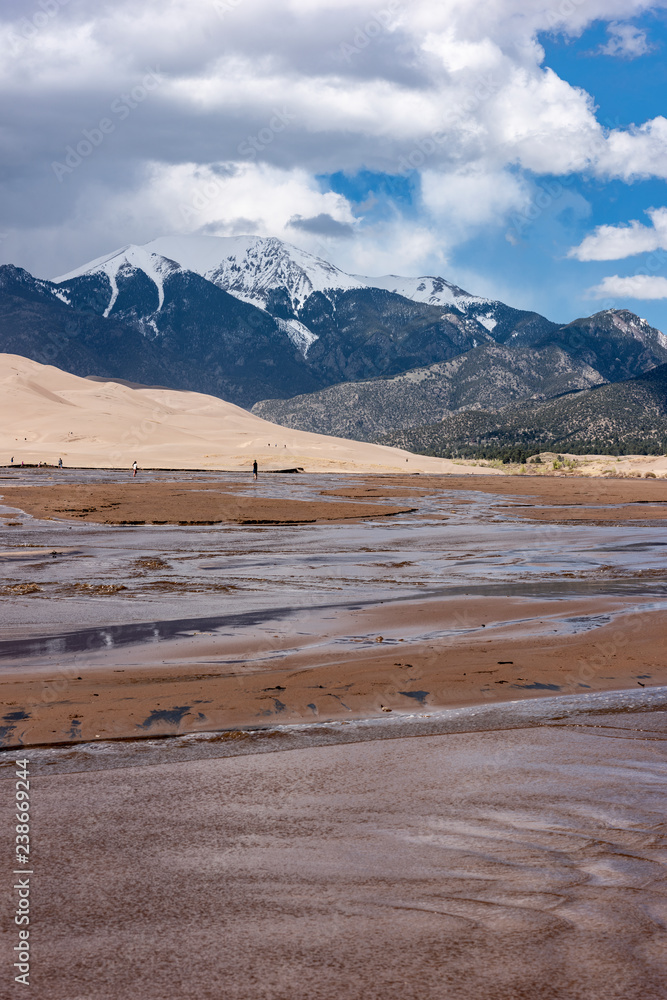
(300, 335)
(251, 267)
(156, 266)
(434, 291)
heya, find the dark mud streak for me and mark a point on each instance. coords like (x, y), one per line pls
(172, 716)
(419, 696)
(537, 687)
(7, 731)
(91, 639)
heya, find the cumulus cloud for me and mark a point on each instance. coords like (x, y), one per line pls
(618, 242)
(289, 90)
(637, 286)
(625, 41)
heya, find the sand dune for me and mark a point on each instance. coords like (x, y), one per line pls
(47, 414)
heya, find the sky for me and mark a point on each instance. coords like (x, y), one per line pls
(515, 147)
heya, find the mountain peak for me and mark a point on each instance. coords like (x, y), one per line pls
(252, 267)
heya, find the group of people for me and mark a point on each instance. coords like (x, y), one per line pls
(39, 464)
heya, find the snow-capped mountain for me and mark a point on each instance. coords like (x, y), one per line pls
(295, 287)
(252, 267)
(129, 258)
(249, 319)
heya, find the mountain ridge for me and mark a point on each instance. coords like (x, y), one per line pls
(251, 319)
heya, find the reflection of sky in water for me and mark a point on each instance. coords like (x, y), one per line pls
(478, 549)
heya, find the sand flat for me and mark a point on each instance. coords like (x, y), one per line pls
(337, 664)
(487, 865)
(456, 598)
(190, 503)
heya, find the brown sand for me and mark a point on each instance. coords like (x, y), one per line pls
(547, 490)
(351, 665)
(582, 499)
(139, 502)
(354, 663)
(524, 864)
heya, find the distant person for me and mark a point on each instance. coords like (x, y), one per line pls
(134, 469)
(60, 463)
(12, 460)
(254, 469)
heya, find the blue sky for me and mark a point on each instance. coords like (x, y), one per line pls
(527, 260)
(515, 147)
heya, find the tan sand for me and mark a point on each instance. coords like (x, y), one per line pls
(137, 502)
(548, 490)
(344, 663)
(47, 414)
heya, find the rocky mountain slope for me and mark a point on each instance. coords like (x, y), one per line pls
(487, 377)
(628, 417)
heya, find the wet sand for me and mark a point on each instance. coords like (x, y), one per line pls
(459, 597)
(495, 865)
(188, 503)
(204, 502)
(543, 497)
(348, 664)
(279, 799)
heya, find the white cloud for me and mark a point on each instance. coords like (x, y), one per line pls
(618, 242)
(636, 286)
(367, 84)
(461, 201)
(626, 41)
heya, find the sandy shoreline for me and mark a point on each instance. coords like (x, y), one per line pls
(204, 502)
(185, 504)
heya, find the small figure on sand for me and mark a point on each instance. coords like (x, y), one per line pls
(60, 463)
(134, 468)
(254, 469)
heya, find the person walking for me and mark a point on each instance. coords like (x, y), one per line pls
(60, 463)
(254, 469)
(134, 468)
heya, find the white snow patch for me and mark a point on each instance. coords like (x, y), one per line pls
(114, 294)
(300, 335)
(489, 321)
(432, 290)
(61, 295)
(140, 258)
